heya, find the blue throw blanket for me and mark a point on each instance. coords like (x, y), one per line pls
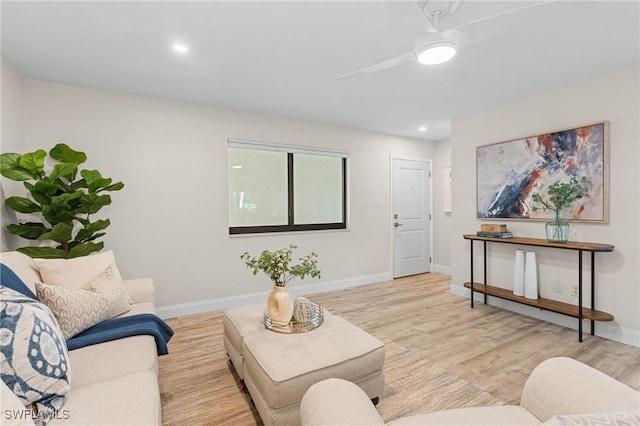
(118, 328)
(115, 328)
(8, 278)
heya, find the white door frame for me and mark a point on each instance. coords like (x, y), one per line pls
(391, 219)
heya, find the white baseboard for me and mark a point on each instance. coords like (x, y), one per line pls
(303, 289)
(442, 269)
(606, 330)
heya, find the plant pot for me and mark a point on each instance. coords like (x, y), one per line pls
(557, 230)
(280, 306)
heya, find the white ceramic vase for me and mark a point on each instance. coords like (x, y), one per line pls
(518, 274)
(530, 276)
(280, 306)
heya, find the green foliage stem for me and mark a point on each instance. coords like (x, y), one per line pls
(276, 265)
(64, 201)
(561, 195)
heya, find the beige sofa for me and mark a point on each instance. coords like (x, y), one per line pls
(112, 383)
(558, 391)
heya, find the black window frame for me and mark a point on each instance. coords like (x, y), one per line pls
(291, 226)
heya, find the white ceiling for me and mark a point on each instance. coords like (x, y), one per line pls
(282, 58)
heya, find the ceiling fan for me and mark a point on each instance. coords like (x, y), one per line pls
(434, 47)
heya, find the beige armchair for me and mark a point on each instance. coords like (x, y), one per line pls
(557, 388)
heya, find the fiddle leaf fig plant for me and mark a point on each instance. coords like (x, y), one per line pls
(561, 195)
(277, 265)
(63, 200)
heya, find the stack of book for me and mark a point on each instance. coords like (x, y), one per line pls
(494, 231)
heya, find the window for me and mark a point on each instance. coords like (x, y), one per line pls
(278, 188)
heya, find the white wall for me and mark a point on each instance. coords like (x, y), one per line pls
(613, 96)
(11, 140)
(170, 221)
(442, 221)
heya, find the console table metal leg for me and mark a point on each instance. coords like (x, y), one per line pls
(471, 256)
(485, 268)
(580, 295)
(593, 290)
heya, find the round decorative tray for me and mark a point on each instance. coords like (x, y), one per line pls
(296, 326)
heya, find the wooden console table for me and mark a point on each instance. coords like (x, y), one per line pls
(578, 311)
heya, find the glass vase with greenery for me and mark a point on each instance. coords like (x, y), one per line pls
(560, 196)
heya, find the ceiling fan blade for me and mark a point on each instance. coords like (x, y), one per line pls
(390, 63)
(518, 9)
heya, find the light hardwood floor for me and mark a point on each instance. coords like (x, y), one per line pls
(439, 353)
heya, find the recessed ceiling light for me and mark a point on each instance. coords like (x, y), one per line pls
(180, 48)
(437, 53)
(422, 129)
(236, 167)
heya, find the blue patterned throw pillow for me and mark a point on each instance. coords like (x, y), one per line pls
(33, 353)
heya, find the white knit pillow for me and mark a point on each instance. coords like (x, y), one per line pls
(77, 309)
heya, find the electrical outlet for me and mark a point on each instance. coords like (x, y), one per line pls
(558, 287)
(574, 291)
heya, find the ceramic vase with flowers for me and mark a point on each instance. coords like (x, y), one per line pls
(560, 196)
(277, 266)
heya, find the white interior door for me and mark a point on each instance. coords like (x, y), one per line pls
(411, 186)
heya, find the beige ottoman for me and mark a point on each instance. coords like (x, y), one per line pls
(279, 368)
(239, 322)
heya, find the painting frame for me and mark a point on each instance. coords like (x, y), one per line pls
(509, 172)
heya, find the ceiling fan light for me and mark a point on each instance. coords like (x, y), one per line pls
(180, 48)
(437, 53)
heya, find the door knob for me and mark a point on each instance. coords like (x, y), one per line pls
(397, 224)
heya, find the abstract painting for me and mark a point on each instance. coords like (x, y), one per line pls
(508, 173)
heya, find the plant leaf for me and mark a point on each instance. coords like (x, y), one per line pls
(64, 154)
(47, 187)
(34, 161)
(92, 203)
(79, 184)
(115, 187)
(85, 249)
(94, 180)
(22, 205)
(61, 233)
(65, 170)
(58, 213)
(66, 197)
(42, 252)
(28, 230)
(93, 237)
(42, 191)
(11, 169)
(86, 233)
